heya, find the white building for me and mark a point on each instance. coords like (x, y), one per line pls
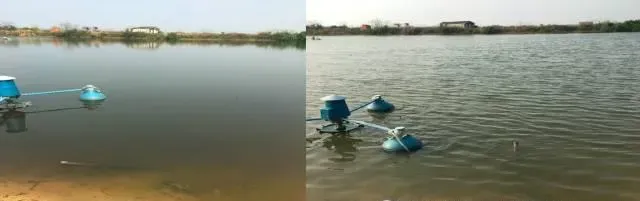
(459, 24)
(149, 30)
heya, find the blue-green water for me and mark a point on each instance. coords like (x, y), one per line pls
(571, 101)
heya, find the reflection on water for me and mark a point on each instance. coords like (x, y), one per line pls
(143, 45)
(15, 120)
(9, 43)
(343, 145)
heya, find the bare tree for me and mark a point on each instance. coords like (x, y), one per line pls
(377, 23)
(66, 26)
(344, 24)
(314, 25)
(7, 26)
(5, 23)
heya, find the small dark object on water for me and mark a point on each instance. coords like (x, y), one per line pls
(516, 144)
(76, 163)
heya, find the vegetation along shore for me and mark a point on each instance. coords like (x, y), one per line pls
(147, 33)
(378, 27)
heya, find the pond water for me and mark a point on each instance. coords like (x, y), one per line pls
(571, 101)
(181, 122)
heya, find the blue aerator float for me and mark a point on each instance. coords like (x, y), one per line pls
(90, 95)
(336, 112)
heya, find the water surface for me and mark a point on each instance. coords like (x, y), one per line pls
(571, 101)
(182, 121)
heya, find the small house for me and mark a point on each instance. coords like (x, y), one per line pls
(148, 29)
(459, 24)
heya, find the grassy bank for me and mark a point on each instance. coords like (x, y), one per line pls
(177, 37)
(602, 27)
(265, 37)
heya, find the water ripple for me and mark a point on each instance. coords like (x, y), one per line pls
(571, 103)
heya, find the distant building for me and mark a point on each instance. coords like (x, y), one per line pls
(459, 24)
(149, 30)
(365, 27)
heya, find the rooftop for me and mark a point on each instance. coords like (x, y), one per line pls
(6, 78)
(457, 22)
(145, 27)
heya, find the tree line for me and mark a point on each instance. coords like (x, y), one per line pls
(380, 28)
(73, 32)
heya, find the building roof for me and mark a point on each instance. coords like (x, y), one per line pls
(456, 22)
(145, 27)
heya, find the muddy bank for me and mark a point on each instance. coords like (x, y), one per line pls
(106, 184)
(140, 187)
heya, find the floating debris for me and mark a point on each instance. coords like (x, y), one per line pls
(76, 163)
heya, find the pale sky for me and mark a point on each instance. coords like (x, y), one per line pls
(247, 16)
(482, 12)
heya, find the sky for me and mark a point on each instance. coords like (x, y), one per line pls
(482, 12)
(247, 16)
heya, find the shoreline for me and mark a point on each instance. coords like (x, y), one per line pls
(470, 28)
(126, 36)
(516, 34)
(153, 44)
(469, 34)
(122, 39)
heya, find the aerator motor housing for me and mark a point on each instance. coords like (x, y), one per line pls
(336, 111)
(8, 88)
